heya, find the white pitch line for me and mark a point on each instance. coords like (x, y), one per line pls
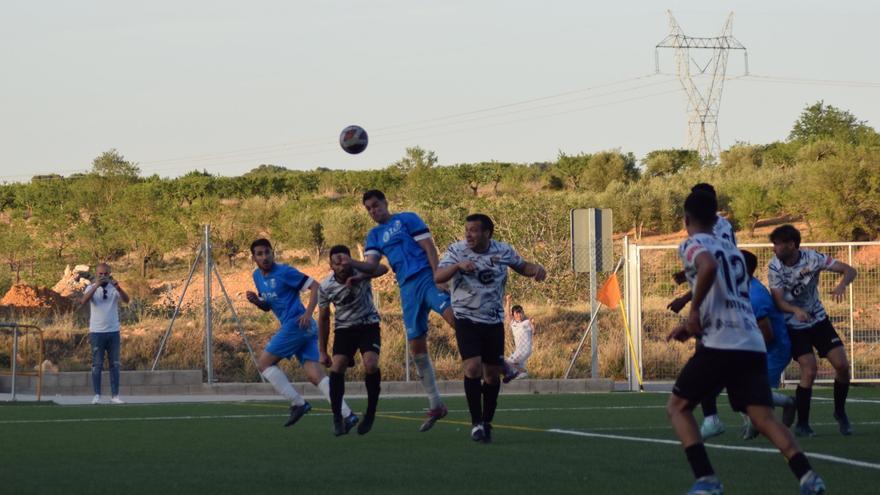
(848, 401)
(814, 455)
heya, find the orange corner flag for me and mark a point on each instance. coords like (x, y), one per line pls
(609, 293)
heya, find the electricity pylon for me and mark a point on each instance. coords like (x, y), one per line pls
(703, 102)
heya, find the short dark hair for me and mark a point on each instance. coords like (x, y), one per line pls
(260, 242)
(786, 233)
(751, 261)
(517, 309)
(702, 207)
(373, 193)
(340, 248)
(705, 187)
(484, 220)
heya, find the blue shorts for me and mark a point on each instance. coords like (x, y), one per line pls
(294, 341)
(418, 296)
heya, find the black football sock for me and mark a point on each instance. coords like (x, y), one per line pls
(490, 400)
(372, 383)
(802, 397)
(699, 460)
(799, 465)
(841, 390)
(473, 391)
(337, 390)
(709, 405)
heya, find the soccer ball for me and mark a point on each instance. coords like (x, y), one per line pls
(353, 139)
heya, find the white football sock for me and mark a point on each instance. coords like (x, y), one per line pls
(429, 382)
(324, 387)
(282, 385)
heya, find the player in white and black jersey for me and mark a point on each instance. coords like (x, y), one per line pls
(712, 425)
(793, 277)
(356, 327)
(477, 269)
(732, 353)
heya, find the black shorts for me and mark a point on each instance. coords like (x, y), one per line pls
(480, 339)
(822, 336)
(348, 340)
(743, 373)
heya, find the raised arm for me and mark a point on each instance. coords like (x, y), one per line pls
(370, 266)
(88, 293)
(122, 294)
(531, 270)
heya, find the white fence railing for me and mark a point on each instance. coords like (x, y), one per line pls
(650, 287)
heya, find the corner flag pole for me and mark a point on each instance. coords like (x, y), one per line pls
(632, 349)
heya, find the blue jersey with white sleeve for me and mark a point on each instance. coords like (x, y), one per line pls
(397, 239)
(280, 288)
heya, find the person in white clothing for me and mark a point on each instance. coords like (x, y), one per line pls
(522, 329)
(103, 297)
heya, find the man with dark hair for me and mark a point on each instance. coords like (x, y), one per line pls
(522, 330)
(405, 240)
(356, 327)
(772, 325)
(732, 353)
(794, 282)
(712, 425)
(278, 287)
(477, 269)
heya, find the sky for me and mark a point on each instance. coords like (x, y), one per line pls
(225, 86)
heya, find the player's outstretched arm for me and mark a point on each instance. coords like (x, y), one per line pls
(369, 266)
(849, 274)
(532, 270)
(324, 334)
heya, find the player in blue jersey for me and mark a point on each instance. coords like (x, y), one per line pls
(404, 239)
(772, 325)
(278, 287)
(477, 269)
(793, 276)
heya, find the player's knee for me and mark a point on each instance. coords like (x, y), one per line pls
(808, 373)
(473, 370)
(675, 406)
(371, 365)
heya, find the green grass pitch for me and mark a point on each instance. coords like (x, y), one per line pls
(216, 448)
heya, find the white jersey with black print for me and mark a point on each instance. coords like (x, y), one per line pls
(478, 295)
(723, 229)
(522, 339)
(354, 305)
(726, 313)
(799, 284)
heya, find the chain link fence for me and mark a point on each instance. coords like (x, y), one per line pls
(856, 319)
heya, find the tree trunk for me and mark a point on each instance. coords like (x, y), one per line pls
(144, 261)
